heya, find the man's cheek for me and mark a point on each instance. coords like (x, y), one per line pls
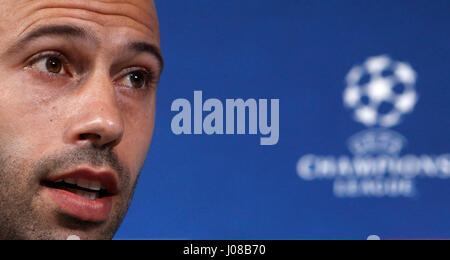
(130, 154)
(137, 136)
(26, 138)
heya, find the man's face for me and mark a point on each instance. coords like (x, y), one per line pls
(77, 108)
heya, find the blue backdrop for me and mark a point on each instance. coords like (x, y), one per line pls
(230, 187)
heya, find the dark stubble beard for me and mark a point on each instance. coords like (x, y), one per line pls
(21, 210)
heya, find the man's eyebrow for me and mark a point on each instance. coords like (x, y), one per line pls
(148, 48)
(78, 32)
(52, 30)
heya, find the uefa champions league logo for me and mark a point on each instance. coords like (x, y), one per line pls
(379, 93)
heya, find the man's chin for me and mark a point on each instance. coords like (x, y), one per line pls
(69, 228)
(47, 221)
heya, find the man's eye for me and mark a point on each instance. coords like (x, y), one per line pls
(136, 79)
(51, 65)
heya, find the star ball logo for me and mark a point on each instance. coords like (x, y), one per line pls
(379, 94)
(381, 91)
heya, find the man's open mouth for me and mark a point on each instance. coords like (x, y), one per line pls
(83, 193)
(87, 189)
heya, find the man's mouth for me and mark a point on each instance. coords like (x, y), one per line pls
(83, 193)
(90, 190)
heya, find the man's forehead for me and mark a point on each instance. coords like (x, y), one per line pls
(138, 14)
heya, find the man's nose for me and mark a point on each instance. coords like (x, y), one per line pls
(98, 119)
